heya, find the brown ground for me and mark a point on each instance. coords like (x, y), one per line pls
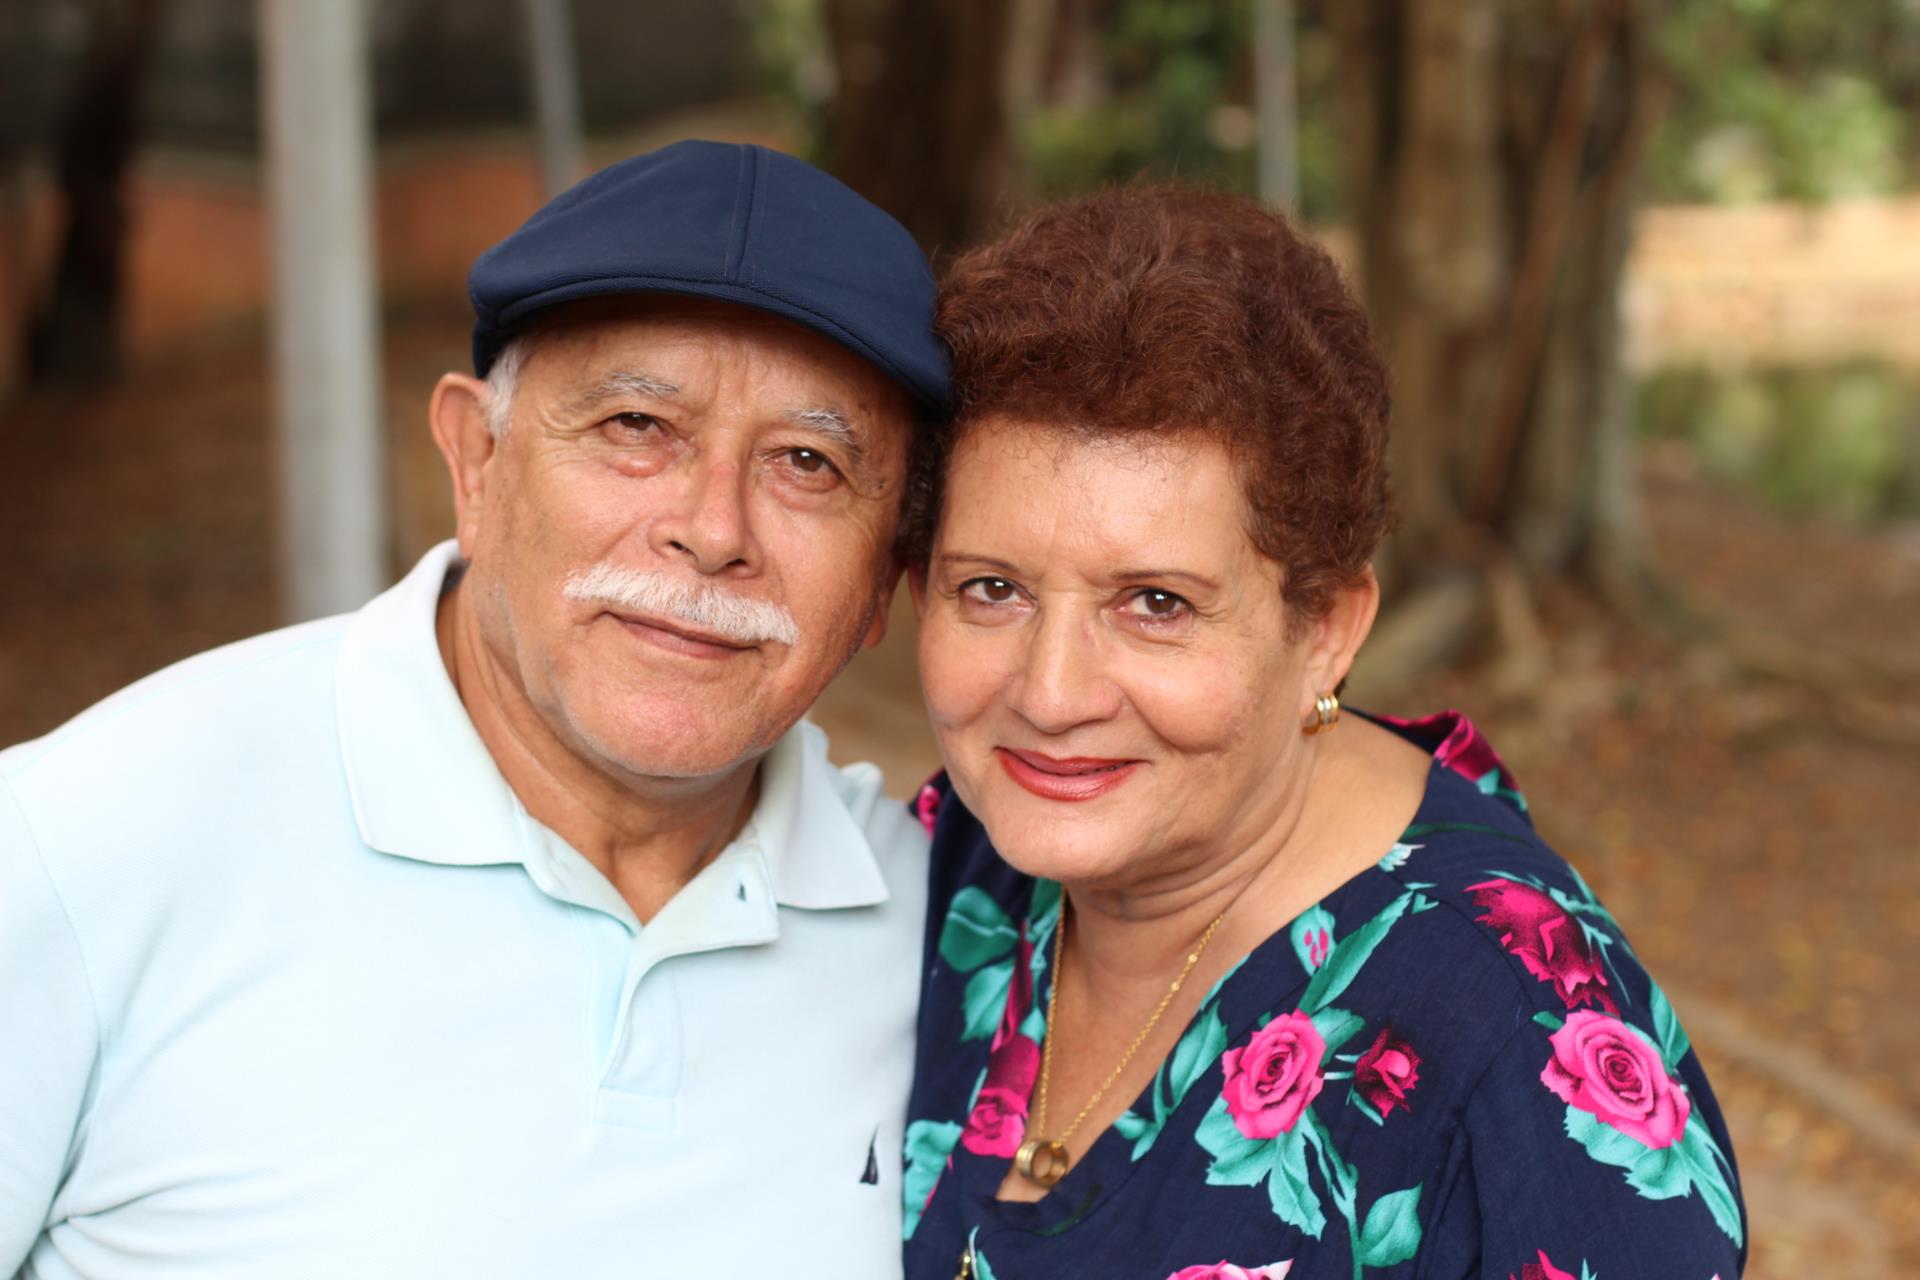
(1761, 853)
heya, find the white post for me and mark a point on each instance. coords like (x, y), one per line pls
(556, 93)
(318, 141)
(1275, 104)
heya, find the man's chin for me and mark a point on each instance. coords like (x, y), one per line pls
(673, 741)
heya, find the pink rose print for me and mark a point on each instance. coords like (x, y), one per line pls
(1613, 1073)
(1271, 1081)
(1227, 1271)
(1461, 748)
(1387, 1072)
(926, 806)
(1547, 940)
(1542, 1270)
(998, 1123)
(1019, 993)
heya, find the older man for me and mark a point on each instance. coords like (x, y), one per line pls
(512, 926)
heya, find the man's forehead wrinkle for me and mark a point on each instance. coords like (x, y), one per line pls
(622, 382)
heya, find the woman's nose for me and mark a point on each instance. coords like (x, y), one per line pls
(1063, 682)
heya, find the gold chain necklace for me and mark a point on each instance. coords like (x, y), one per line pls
(1044, 1161)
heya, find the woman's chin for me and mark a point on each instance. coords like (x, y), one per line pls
(1073, 848)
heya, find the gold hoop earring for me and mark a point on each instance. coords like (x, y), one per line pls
(1326, 713)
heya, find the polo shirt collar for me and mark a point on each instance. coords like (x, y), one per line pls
(818, 854)
(425, 787)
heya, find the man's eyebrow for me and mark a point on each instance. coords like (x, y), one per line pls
(832, 424)
(625, 383)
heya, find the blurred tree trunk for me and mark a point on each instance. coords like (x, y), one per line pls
(74, 336)
(1494, 149)
(919, 122)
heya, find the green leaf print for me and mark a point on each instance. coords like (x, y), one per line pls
(985, 999)
(928, 1145)
(1336, 1027)
(1135, 1126)
(1694, 1163)
(1045, 909)
(1293, 1198)
(1668, 1031)
(1350, 954)
(1396, 857)
(1198, 1049)
(1610, 1146)
(1659, 1175)
(976, 930)
(1312, 936)
(982, 1269)
(1706, 1165)
(1489, 784)
(1238, 1161)
(1392, 1231)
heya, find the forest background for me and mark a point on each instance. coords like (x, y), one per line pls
(1648, 272)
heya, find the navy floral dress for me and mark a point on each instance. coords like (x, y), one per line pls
(1452, 1066)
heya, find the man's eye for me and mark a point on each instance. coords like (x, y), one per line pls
(809, 470)
(808, 461)
(989, 590)
(1151, 602)
(628, 427)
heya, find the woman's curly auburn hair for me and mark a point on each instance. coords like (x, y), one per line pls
(1173, 311)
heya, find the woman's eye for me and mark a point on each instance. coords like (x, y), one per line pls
(989, 590)
(1156, 604)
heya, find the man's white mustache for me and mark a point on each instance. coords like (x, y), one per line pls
(700, 605)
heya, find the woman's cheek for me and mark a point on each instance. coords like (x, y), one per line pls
(1203, 703)
(958, 669)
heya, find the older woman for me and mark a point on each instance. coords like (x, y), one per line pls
(1222, 982)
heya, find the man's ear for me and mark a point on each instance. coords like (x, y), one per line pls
(1337, 637)
(458, 415)
(889, 583)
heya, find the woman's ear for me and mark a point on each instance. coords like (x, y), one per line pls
(458, 416)
(1337, 636)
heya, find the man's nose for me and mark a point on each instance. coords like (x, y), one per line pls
(1063, 681)
(707, 525)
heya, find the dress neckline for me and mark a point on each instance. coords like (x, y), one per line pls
(1106, 1166)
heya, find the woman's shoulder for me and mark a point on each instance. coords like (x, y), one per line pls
(963, 855)
(1504, 894)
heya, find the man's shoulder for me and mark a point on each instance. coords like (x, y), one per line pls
(233, 700)
(899, 842)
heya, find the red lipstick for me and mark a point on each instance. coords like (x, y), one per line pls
(1064, 778)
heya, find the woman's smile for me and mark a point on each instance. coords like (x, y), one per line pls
(1065, 778)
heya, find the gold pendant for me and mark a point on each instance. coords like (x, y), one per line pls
(1042, 1161)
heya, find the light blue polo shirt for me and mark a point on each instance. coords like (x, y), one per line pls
(291, 985)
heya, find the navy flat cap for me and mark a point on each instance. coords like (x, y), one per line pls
(740, 224)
